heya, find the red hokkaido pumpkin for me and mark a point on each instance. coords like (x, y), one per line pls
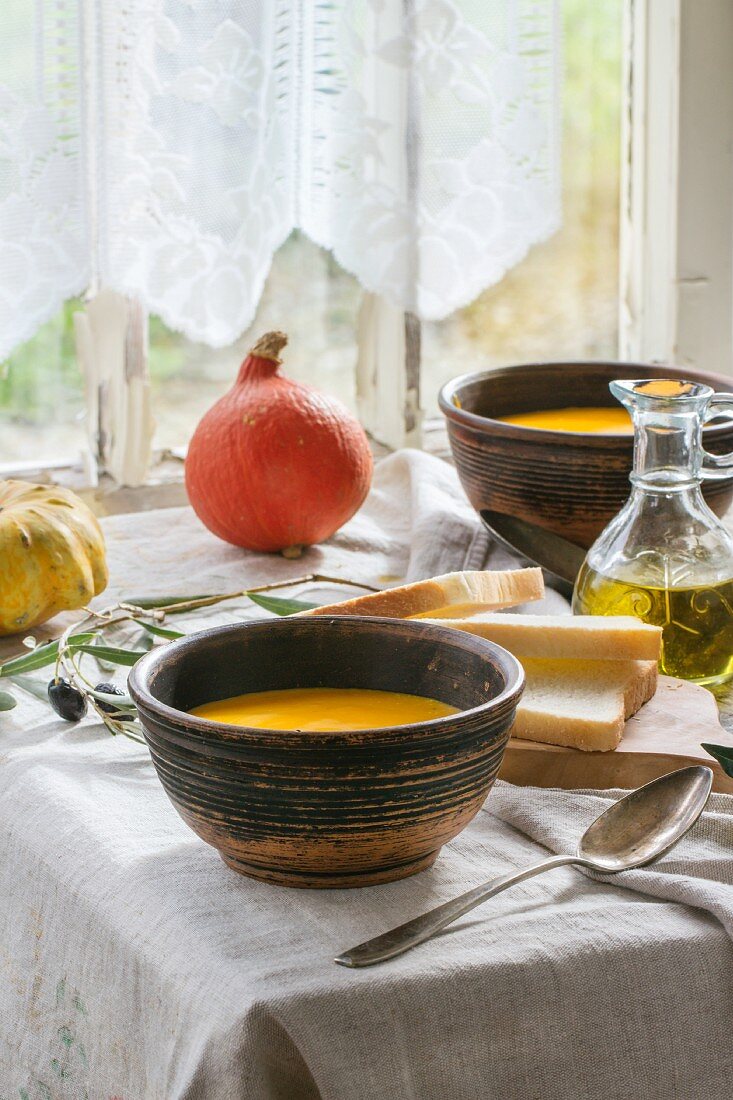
(275, 465)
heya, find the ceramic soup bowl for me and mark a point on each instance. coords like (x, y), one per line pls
(328, 809)
(571, 483)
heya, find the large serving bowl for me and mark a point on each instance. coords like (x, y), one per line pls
(571, 483)
(328, 809)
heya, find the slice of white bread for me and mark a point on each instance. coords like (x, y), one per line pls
(611, 637)
(582, 704)
(455, 594)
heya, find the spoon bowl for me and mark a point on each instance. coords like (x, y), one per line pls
(648, 822)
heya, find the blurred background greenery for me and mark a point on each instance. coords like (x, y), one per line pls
(560, 302)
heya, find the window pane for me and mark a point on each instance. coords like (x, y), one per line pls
(308, 296)
(562, 300)
(42, 396)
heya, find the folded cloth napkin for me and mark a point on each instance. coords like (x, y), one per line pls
(697, 872)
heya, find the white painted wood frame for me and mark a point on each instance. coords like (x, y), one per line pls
(388, 339)
(676, 285)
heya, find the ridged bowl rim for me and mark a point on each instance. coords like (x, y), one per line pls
(184, 722)
(608, 440)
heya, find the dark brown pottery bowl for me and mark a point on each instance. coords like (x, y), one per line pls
(571, 483)
(328, 809)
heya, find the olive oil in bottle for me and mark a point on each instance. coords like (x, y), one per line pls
(697, 623)
(666, 558)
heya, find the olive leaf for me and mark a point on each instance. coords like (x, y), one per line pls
(279, 605)
(723, 754)
(7, 701)
(105, 666)
(112, 654)
(41, 656)
(162, 631)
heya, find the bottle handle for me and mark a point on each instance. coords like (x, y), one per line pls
(716, 467)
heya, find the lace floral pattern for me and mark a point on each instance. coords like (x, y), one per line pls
(416, 139)
(43, 231)
(430, 203)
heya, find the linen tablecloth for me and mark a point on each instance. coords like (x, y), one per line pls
(136, 966)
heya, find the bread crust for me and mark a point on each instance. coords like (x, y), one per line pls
(641, 688)
(476, 590)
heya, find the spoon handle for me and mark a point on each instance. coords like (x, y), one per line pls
(415, 931)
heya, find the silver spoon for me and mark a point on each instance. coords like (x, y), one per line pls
(636, 830)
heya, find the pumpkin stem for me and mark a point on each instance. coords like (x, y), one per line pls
(264, 358)
(292, 551)
(269, 346)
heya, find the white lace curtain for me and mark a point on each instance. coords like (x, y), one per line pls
(167, 148)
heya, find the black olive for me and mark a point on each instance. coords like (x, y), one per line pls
(107, 689)
(110, 708)
(66, 700)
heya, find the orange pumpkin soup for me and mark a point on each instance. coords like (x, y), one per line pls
(600, 420)
(323, 709)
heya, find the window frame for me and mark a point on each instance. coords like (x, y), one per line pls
(676, 279)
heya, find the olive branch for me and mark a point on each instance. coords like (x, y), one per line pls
(70, 691)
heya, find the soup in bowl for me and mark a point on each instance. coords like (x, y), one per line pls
(334, 806)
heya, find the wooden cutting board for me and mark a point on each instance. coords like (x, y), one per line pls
(664, 735)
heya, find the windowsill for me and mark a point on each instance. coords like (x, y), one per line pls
(164, 487)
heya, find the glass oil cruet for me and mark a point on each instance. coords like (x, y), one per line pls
(666, 558)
